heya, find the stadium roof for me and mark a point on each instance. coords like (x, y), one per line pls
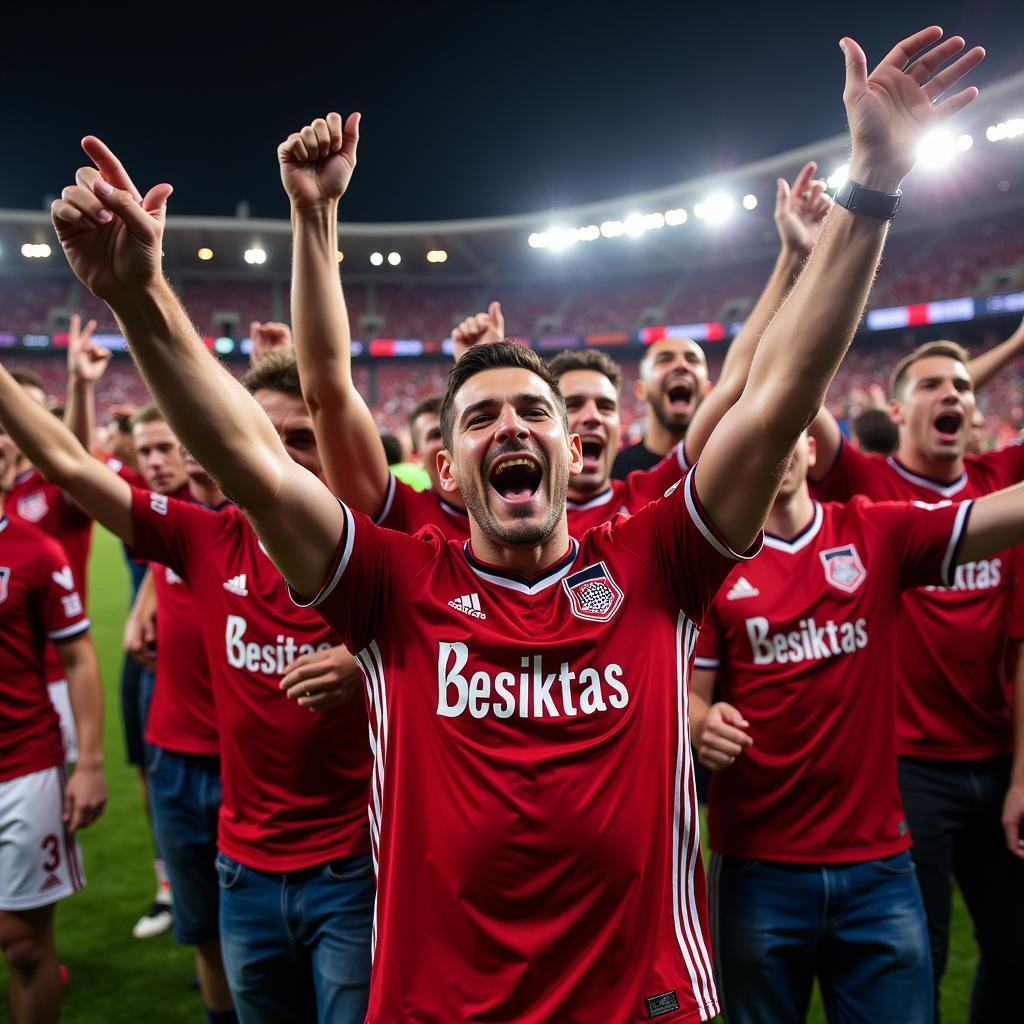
(975, 181)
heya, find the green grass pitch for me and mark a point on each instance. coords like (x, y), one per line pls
(116, 979)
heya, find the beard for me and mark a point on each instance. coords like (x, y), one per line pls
(518, 535)
(674, 423)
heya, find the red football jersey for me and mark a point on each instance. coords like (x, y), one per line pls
(641, 487)
(533, 813)
(800, 637)
(295, 783)
(408, 510)
(182, 716)
(39, 601)
(952, 645)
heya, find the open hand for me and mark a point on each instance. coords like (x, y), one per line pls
(111, 235)
(87, 359)
(317, 162)
(801, 210)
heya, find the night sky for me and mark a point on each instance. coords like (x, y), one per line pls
(467, 110)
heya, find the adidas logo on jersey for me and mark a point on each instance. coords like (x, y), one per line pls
(52, 882)
(468, 604)
(742, 588)
(236, 585)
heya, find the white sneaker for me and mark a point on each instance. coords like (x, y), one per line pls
(155, 921)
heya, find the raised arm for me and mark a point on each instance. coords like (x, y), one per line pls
(87, 362)
(112, 240)
(800, 212)
(996, 524)
(316, 167)
(51, 447)
(984, 367)
(744, 459)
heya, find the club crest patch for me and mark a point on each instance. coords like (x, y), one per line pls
(5, 575)
(843, 568)
(592, 593)
(32, 507)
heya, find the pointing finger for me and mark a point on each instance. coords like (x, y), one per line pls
(109, 166)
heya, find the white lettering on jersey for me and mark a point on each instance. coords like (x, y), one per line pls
(532, 693)
(72, 605)
(171, 576)
(810, 642)
(63, 578)
(158, 503)
(270, 659)
(985, 574)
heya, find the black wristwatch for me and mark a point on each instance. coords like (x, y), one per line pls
(858, 199)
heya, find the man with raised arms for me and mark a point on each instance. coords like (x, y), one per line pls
(296, 882)
(955, 735)
(532, 816)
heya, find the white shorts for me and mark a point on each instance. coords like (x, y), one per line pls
(61, 701)
(40, 862)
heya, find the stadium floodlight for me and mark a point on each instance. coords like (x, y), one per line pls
(1011, 129)
(675, 217)
(589, 233)
(394, 258)
(612, 228)
(750, 201)
(35, 250)
(837, 179)
(654, 221)
(255, 257)
(716, 209)
(936, 149)
(538, 240)
(437, 256)
(376, 258)
(634, 225)
(964, 142)
(205, 253)
(341, 256)
(562, 238)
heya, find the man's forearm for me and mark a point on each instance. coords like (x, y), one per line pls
(80, 410)
(984, 367)
(86, 694)
(208, 410)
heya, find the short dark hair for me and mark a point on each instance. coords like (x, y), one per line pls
(950, 349)
(392, 448)
(430, 404)
(276, 371)
(587, 359)
(151, 413)
(501, 355)
(876, 432)
(28, 378)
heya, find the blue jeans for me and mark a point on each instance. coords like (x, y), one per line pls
(184, 801)
(859, 927)
(296, 944)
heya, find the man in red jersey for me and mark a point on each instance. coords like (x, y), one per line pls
(811, 874)
(532, 817)
(40, 809)
(955, 733)
(296, 883)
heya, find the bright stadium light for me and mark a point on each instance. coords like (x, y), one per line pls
(376, 258)
(590, 233)
(964, 142)
(654, 221)
(341, 256)
(1011, 129)
(634, 225)
(562, 238)
(255, 257)
(675, 217)
(750, 201)
(205, 253)
(437, 256)
(837, 179)
(936, 149)
(538, 240)
(715, 209)
(394, 258)
(35, 251)
(612, 228)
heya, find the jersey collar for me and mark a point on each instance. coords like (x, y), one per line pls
(794, 544)
(3, 523)
(450, 509)
(512, 581)
(947, 490)
(26, 474)
(602, 499)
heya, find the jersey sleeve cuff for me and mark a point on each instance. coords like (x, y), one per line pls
(389, 500)
(956, 536)
(69, 631)
(684, 462)
(341, 559)
(707, 528)
(699, 662)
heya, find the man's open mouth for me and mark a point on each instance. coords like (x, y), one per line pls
(948, 425)
(679, 395)
(593, 451)
(516, 478)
